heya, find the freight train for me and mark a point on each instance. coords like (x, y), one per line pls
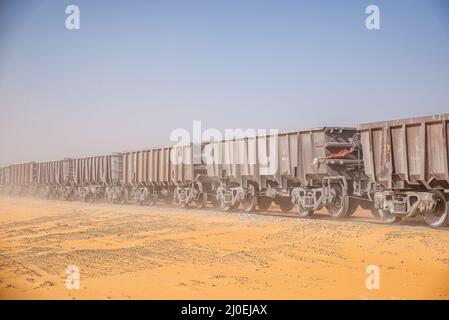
(396, 169)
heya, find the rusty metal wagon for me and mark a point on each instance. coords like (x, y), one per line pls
(407, 164)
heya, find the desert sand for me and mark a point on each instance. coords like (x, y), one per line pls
(132, 252)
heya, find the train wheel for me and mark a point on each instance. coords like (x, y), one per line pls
(184, 205)
(201, 202)
(439, 217)
(303, 213)
(229, 206)
(250, 201)
(122, 199)
(338, 209)
(387, 217)
(152, 200)
(355, 203)
(226, 206)
(215, 202)
(263, 203)
(286, 204)
(169, 199)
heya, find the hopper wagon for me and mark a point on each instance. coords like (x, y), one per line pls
(397, 169)
(407, 165)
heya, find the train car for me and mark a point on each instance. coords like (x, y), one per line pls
(7, 176)
(146, 176)
(397, 169)
(242, 167)
(4, 183)
(189, 174)
(166, 173)
(2, 179)
(22, 178)
(92, 176)
(312, 168)
(407, 164)
(329, 170)
(53, 178)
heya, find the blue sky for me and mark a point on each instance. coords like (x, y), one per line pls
(136, 70)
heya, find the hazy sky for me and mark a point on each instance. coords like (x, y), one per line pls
(136, 70)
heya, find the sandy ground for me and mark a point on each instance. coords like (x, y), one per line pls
(164, 253)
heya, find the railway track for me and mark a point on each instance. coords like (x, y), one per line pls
(361, 215)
